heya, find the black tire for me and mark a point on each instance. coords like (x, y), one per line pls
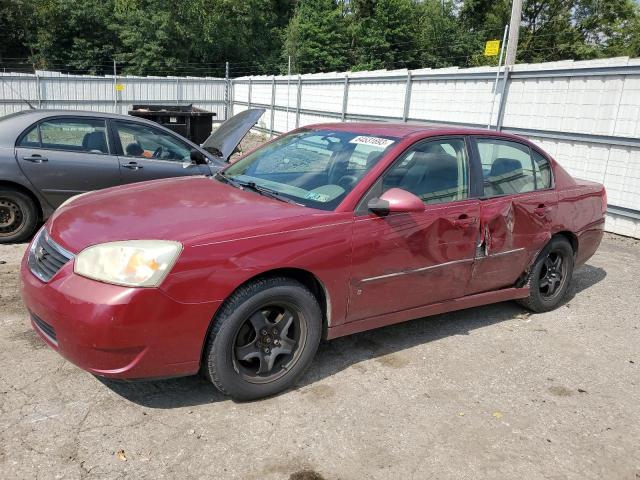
(18, 216)
(246, 356)
(550, 276)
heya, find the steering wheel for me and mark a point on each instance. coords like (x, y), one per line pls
(347, 181)
(157, 153)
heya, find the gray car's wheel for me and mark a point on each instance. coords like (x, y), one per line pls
(18, 216)
(263, 338)
(550, 276)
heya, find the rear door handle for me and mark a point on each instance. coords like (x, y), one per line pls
(542, 210)
(132, 166)
(36, 158)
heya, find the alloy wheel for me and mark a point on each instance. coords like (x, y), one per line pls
(552, 274)
(269, 342)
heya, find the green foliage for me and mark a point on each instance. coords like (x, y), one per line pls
(316, 38)
(197, 37)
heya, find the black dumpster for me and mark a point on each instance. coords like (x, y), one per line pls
(189, 121)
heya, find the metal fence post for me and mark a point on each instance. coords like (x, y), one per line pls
(503, 98)
(38, 90)
(115, 92)
(273, 104)
(407, 97)
(345, 97)
(226, 90)
(249, 93)
(298, 100)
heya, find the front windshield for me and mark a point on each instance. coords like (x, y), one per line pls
(315, 168)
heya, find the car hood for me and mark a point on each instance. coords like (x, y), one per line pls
(224, 140)
(189, 210)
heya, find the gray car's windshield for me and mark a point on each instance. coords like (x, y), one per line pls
(315, 168)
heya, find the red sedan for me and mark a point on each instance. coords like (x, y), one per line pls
(326, 231)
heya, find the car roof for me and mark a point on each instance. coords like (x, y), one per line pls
(14, 124)
(403, 130)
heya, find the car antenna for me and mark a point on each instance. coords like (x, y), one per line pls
(17, 93)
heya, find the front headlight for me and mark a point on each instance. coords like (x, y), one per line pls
(133, 263)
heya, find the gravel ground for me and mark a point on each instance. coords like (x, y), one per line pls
(491, 392)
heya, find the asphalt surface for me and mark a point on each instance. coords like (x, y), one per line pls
(491, 392)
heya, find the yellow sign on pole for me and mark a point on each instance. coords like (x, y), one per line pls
(492, 48)
(119, 87)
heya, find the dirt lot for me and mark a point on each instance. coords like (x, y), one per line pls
(491, 392)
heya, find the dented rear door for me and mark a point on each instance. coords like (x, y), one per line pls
(515, 216)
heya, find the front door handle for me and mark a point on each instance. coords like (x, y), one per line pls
(132, 166)
(465, 221)
(36, 158)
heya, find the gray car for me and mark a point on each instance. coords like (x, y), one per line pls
(49, 156)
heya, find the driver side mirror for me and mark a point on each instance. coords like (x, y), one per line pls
(396, 200)
(197, 157)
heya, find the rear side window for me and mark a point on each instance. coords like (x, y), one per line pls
(80, 135)
(507, 167)
(543, 171)
(31, 138)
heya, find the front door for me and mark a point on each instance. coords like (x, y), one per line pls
(407, 260)
(149, 153)
(517, 212)
(63, 157)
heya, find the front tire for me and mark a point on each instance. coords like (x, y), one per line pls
(18, 216)
(263, 338)
(550, 276)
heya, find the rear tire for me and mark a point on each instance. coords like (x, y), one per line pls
(18, 216)
(550, 276)
(263, 338)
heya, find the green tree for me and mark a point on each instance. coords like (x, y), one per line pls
(73, 35)
(316, 37)
(16, 20)
(383, 34)
(442, 38)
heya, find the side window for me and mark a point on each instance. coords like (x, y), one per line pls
(507, 167)
(31, 138)
(74, 134)
(543, 171)
(436, 171)
(141, 141)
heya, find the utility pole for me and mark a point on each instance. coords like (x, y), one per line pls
(514, 32)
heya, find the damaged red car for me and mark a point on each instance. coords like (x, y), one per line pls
(325, 231)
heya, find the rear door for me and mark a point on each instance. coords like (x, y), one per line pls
(148, 153)
(517, 211)
(65, 156)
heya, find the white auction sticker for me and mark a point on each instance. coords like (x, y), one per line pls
(377, 141)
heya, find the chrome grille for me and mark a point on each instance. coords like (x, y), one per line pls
(46, 257)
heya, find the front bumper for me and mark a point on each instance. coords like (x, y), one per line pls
(115, 331)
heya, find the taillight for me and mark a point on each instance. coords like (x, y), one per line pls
(604, 200)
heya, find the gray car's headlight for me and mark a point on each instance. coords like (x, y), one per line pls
(133, 263)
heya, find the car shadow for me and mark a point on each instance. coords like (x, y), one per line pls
(341, 353)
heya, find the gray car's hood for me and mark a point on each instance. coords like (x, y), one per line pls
(224, 140)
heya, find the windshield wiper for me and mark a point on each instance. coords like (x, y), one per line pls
(267, 192)
(264, 191)
(224, 179)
